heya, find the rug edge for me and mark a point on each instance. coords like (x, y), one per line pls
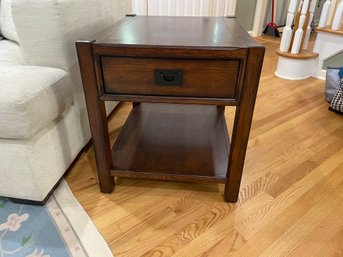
(90, 237)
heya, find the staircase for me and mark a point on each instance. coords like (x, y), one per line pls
(295, 60)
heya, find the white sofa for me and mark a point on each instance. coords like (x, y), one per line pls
(43, 117)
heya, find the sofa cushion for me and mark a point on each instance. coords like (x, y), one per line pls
(30, 98)
(10, 52)
(7, 27)
(1, 37)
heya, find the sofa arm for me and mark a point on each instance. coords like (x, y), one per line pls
(47, 30)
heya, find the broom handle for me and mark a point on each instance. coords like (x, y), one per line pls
(272, 11)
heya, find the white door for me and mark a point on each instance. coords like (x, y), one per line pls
(185, 7)
(199, 8)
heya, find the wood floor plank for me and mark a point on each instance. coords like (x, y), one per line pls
(304, 226)
(262, 235)
(321, 235)
(334, 246)
(228, 244)
(222, 229)
(315, 147)
(189, 232)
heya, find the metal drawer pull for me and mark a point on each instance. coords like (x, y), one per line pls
(169, 77)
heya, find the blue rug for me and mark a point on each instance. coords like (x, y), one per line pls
(61, 228)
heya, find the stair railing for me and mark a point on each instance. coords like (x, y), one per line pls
(295, 40)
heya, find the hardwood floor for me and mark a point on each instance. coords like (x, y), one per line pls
(291, 198)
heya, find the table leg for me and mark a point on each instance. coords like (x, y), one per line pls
(242, 124)
(238, 148)
(97, 117)
(221, 108)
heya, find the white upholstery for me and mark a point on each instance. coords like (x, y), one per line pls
(31, 167)
(7, 27)
(59, 23)
(31, 98)
(10, 52)
(43, 116)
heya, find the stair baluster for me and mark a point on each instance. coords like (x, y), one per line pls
(300, 31)
(325, 14)
(337, 20)
(308, 30)
(288, 31)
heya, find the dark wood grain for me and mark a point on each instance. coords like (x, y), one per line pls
(201, 78)
(169, 99)
(242, 124)
(97, 116)
(113, 28)
(239, 33)
(169, 51)
(179, 31)
(164, 141)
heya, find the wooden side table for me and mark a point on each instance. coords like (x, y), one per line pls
(180, 73)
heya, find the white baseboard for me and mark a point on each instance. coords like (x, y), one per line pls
(321, 75)
(295, 69)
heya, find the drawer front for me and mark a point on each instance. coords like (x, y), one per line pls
(170, 77)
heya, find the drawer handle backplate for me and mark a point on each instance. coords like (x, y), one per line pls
(169, 77)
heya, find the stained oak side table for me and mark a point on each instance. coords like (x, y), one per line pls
(179, 73)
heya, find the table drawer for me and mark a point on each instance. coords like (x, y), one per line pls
(215, 78)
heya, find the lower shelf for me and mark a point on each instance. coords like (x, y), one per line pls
(173, 142)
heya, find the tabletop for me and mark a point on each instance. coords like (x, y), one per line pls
(207, 32)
